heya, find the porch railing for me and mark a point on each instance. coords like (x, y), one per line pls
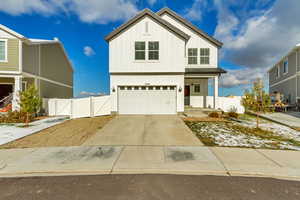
(6, 100)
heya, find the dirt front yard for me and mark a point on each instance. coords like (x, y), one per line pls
(70, 133)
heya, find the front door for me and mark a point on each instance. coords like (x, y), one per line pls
(187, 95)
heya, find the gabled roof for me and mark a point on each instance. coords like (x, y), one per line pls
(152, 15)
(8, 30)
(189, 25)
(30, 41)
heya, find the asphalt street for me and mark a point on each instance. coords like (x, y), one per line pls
(146, 187)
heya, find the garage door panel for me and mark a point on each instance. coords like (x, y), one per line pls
(147, 101)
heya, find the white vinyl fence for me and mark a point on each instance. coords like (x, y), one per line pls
(98, 106)
(76, 108)
(228, 103)
(224, 103)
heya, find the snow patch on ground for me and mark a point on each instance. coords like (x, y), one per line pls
(224, 135)
(11, 132)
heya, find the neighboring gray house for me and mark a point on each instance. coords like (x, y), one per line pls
(25, 61)
(284, 76)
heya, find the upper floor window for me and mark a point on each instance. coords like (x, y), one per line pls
(3, 50)
(192, 56)
(204, 56)
(285, 66)
(140, 50)
(277, 72)
(153, 48)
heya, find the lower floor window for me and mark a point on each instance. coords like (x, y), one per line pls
(197, 88)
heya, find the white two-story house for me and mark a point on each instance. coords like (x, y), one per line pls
(159, 63)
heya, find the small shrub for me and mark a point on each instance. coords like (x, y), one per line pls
(214, 115)
(15, 117)
(233, 115)
(233, 109)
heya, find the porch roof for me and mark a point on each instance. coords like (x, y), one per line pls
(205, 71)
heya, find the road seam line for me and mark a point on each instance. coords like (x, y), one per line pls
(114, 164)
(219, 159)
(275, 162)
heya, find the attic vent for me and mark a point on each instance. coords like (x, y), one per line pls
(146, 27)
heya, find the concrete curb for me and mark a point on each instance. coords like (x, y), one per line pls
(139, 172)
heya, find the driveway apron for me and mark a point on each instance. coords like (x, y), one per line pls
(161, 130)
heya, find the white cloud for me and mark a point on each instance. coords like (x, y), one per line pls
(256, 41)
(197, 10)
(90, 11)
(151, 2)
(262, 40)
(19, 7)
(88, 51)
(241, 77)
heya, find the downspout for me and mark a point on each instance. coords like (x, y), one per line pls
(297, 66)
(39, 71)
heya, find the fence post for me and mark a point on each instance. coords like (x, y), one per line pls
(91, 107)
(72, 109)
(55, 113)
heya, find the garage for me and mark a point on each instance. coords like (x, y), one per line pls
(147, 100)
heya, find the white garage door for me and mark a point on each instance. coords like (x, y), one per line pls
(147, 99)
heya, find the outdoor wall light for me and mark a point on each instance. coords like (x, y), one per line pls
(180, 89)
(113, 89)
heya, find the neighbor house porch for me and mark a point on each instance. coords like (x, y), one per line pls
(197, 83)
(10, 87)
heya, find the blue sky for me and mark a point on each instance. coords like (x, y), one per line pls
(255, 33)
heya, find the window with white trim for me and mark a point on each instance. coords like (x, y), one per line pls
(204, 56)
(192, 56)
(153, 50)
(3, 50)
(140, 50)
(277, 71)
(285, 66)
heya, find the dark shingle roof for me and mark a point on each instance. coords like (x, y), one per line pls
(154, 16)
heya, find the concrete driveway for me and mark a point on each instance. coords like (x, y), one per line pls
(145, 130)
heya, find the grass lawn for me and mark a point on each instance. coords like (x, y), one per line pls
(70, 133)
(243, 133)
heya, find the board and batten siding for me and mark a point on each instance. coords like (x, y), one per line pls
(122, 51)
(195, 41)
(12, 63)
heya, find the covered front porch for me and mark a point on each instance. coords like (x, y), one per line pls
(197, 83)
(10, 87)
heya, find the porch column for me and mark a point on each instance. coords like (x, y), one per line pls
(216, 91)
(16, 93)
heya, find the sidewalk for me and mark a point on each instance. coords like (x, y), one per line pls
(149, 159)
(290, 119)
